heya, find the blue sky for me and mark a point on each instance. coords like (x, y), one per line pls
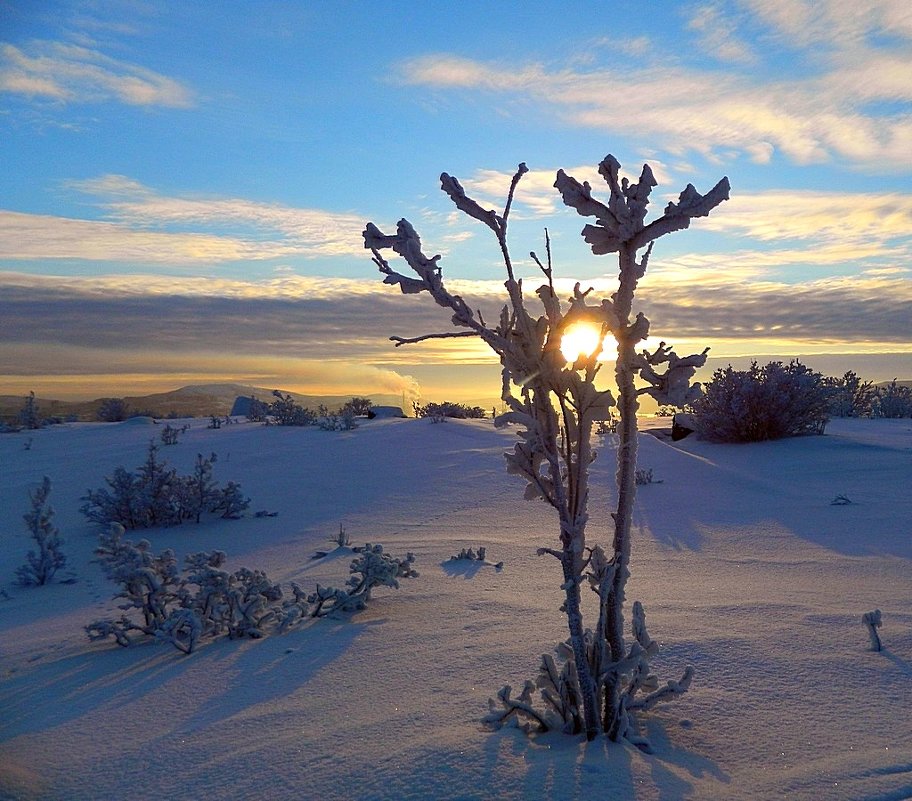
(184, 184)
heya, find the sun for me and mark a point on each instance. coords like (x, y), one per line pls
(582, 339)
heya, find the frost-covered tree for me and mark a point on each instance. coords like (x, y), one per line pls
(556, 402)
(41, 565)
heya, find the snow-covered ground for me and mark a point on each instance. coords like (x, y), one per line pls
(747, 571)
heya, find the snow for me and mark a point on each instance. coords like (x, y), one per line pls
(745, 568)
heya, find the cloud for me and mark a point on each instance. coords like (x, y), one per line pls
(822, 110)
(144, 227)
(718, 35)
(73, 74)
(350, 321)
(828, 217)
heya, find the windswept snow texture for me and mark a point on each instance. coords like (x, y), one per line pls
(746, 570)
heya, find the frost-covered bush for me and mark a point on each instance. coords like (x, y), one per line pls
(285, 411)
(29, 416)
(762, 403)
(849, 396)
(170, 434)
(112, 410)
(471, 555)
(458, 411)
(204, 599)
(892, 400)
(554, 402)
(359, 407)
(370, 568)
(41, 565)
(343, 420)
(156, 495)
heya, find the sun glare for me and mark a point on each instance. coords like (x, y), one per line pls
(582, 339)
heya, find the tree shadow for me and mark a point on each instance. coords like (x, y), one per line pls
(467, 568)
(559, 766)
(59, 691)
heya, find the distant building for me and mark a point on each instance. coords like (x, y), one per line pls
(384, 412)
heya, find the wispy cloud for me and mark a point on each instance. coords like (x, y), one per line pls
(820, 112)
(74, 74)
(718, 35)
(143, 226)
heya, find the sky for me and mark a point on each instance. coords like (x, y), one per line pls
(184, 185)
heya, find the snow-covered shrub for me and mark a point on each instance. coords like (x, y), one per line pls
(644, 476)
(170, 434)
(892, 400)
(112, 410)
(41, 566)
(342, 540)
(850, 396)
(157, 496)
(557, 402)
(458, 411)
(470, 554)
(370, 568)
(762, 403)
(206, 600)
(29, 416)
(285, 411)
(359, 407)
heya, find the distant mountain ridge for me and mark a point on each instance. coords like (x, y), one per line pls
(195, 400)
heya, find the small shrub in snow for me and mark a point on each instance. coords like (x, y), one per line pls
(644, 476)
(205, 600)
(28, 415)
(872, 621)
(285, 411)
(112, 410)
(439, 411)
(762, 403)
(157, 496)
(41, 565)
(849, 396)
(892, 400)
(342, 539)
(370, 568)
(170, 434)
(468, 553)
(359, 407)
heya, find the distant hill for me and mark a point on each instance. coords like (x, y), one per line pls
(198, 400)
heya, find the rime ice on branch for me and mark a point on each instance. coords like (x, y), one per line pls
(556, 407)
